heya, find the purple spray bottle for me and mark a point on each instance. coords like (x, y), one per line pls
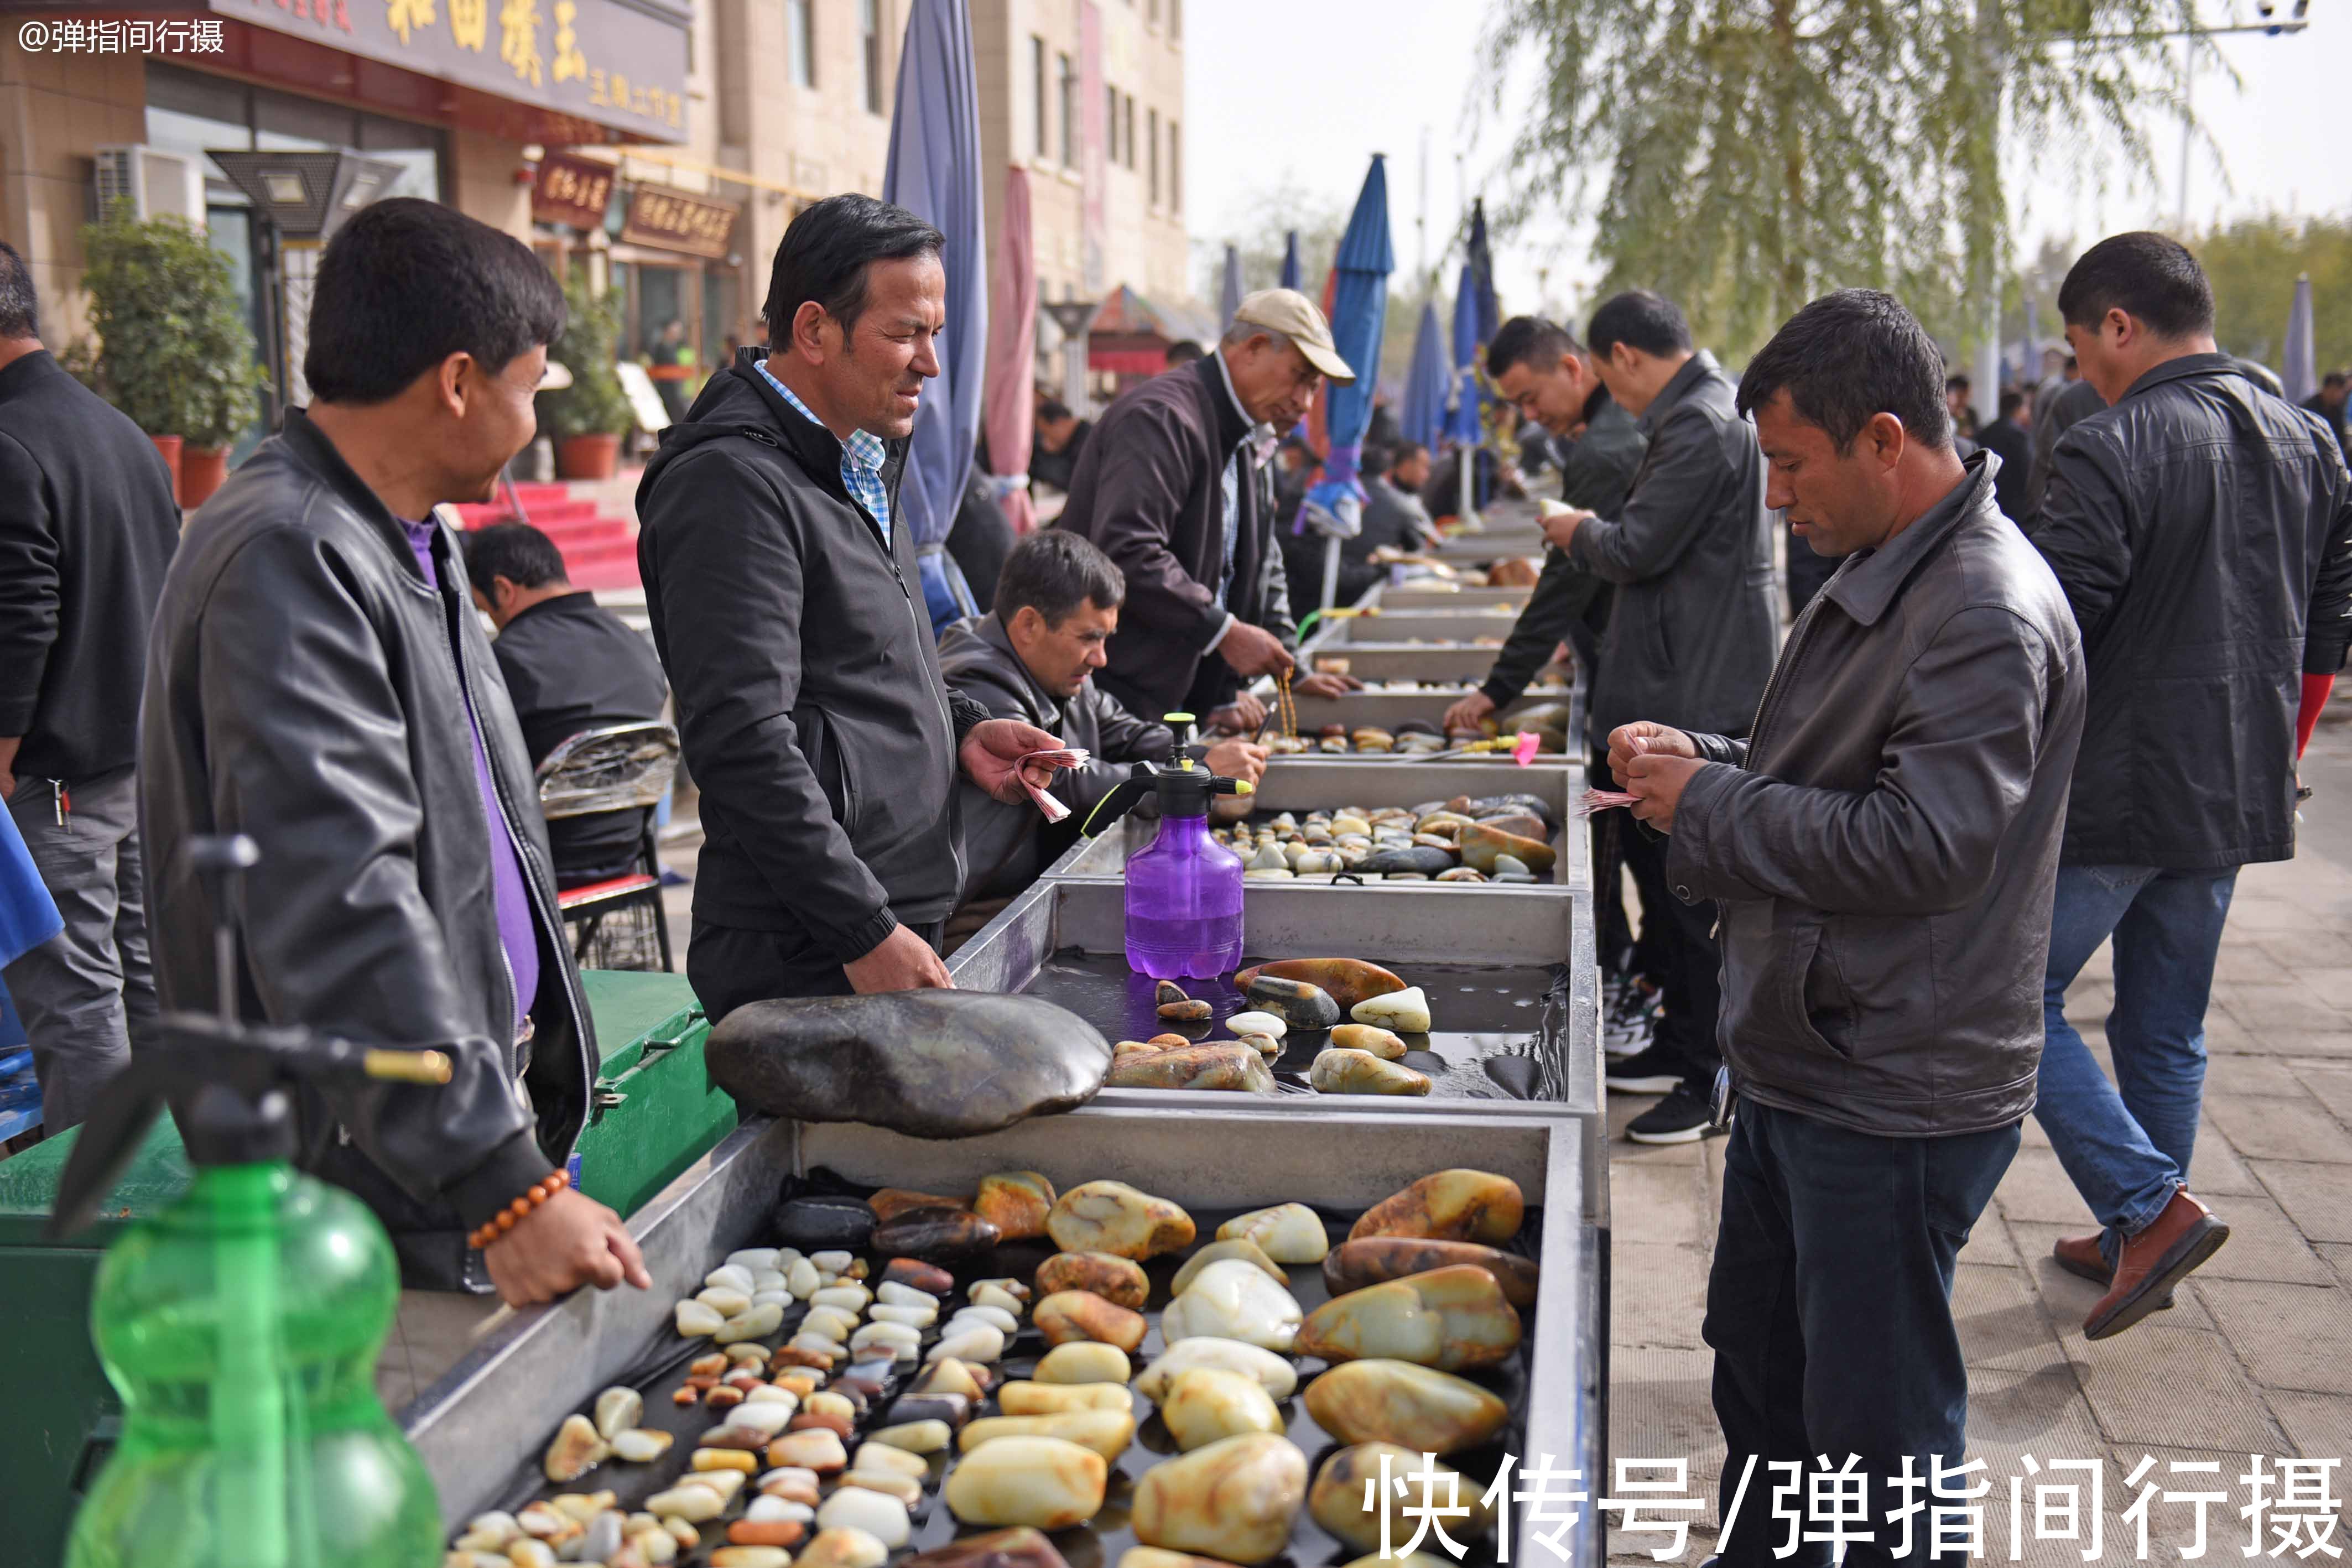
(1184, 890)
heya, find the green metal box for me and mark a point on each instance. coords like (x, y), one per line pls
(655, 1114)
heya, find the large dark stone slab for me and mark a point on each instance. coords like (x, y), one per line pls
(931, 1064)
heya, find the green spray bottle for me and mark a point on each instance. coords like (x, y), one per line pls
(241, 1326)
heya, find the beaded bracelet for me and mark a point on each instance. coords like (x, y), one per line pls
(547, 1186)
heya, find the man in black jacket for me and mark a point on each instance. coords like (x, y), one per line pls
(810, 702)
(2008, 439)
(1882, 847)
(1168, 487)
(569, 665)
(1690, 641)
(2202, 530)
(86, 529)
(319, 681)
(1032, 658)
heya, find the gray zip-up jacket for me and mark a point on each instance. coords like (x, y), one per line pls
(302, 689)
(1885, 847)
(1697, 617)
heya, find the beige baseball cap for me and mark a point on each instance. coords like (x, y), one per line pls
(1292, 314)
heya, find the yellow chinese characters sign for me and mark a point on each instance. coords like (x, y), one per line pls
(676, 220)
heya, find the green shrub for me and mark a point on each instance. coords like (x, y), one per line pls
(173, 351)
(594, 404)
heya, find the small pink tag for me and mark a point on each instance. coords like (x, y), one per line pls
(1526, 748)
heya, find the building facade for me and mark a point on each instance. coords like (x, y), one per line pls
(453, 93)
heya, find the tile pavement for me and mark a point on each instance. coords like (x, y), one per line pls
(2255, 1356)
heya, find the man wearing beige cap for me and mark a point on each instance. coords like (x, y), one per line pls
(1167, 489)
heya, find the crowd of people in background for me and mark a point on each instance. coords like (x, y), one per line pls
(1915, 715)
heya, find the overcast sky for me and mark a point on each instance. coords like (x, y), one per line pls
(1307, 90)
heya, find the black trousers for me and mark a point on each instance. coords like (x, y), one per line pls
(1829, 1312)
(1683, 958)
(730, 965)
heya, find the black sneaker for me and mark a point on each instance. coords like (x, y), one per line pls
(1681, 1117)
(1655, 1070)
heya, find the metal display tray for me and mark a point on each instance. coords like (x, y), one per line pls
(490, 1417)
(1465, 597)
(1460, 664)
(1301, 784)
(1422, 626)
(1071, 934)
(1386, 710)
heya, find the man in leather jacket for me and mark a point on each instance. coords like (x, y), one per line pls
(1033, 658)
(2202, 530)
(1882, 848)
(318, 680)
(1691, 636)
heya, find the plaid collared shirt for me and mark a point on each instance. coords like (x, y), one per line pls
(861, 458)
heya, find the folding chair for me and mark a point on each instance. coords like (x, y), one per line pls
(618, 923)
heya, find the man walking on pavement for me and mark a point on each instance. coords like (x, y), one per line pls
(1167, 487)
(810, 703)
(2202, 530)
(1882, 847)
(86, 530)
(1551, 379)
(1690, 642)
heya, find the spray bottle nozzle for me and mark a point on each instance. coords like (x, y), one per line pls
(226, 1079)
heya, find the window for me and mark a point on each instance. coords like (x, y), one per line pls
(1110, 128)
(1152, 128)
(800, 42)
(1127, 136)
(1069, 114)
(1037, 89)
(869, 31)
(1175, 167)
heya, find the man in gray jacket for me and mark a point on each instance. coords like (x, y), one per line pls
(1033, 658)
(1689, 642)
(1882, 848)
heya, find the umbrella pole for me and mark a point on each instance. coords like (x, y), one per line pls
(1469, 468)
(1330, 570)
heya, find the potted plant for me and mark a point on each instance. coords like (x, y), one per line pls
(172, 340)
(220, 407)
(587, 419)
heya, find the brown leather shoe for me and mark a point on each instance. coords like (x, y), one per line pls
(2080, 1256)
(2153, 1262)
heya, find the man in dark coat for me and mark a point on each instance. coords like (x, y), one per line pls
(1690, 640)
(1167, 489)
(318, 680)
(1031, 658)
(815, 722)
(571, 666)
(1882, 847)
(2008, 439)
(1550, 379)
(2202, 530)
(86, 530)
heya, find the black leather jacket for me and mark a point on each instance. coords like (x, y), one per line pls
(302, 689)
(2202, 531)
(1886, 846)
(1695, 620)
(1006, 847)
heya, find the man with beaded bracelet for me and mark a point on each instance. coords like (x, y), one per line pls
(318, 679)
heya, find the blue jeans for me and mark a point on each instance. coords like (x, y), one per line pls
(2126, 1144)
(1829, 1308)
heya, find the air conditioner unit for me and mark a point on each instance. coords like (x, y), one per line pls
(157, 183)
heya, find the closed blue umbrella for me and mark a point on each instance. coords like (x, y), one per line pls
(2299, 367)
(933, 172)
(1228, 296)
(1359, 302)
(1291, 271)
(1475, 317)
(1426, 383)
